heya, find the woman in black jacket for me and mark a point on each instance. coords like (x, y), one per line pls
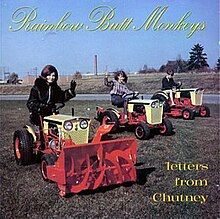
(46, 93)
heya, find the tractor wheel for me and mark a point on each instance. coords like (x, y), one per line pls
(23, 147)
(47, 160)
(142, 131)
(204, 111)
(167, 127)
(166, 107)
(109, 117)
(188, 114)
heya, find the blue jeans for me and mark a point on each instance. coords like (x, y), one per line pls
(119, 101)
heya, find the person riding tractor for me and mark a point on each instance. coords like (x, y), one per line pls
(141, 114)
(178, 102)
(118, 90)
(169, 84)
(45, 94)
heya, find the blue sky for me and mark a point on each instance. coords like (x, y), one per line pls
(130, 50)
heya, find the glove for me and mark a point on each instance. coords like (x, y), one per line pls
(72, 86)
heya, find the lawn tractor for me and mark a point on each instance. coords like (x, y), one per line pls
(188, 103)
(142, 115)
(67, 157)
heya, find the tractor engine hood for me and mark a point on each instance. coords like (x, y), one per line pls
(59, 119)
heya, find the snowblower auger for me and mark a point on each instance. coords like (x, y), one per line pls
(93, 165)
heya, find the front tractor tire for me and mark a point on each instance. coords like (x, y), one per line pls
(142, 131)
(204, 111)
(167, 127)
(47, 160)
(188, 114)
(23, 147)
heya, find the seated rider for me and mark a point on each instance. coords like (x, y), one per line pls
(118, 89)
(46, 93)
(168, 84)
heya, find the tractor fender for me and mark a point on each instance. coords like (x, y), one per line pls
(117, 113)
(31, 131)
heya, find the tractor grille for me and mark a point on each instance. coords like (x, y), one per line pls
(196, 98)
(79, 137)
(154, 115)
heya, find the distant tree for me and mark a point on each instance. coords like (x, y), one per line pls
(13, 78)
(197, 58)
(218, 64)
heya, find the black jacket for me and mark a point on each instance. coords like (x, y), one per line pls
(43, 97)
(168, 84)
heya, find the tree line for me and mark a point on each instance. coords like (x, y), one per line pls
(197, 62)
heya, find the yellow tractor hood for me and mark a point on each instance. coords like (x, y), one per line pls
(61, 118)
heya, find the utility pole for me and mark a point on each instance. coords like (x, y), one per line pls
(96, 65)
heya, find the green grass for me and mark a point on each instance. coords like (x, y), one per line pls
(25, 194)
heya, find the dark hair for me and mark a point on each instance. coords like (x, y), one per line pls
(121, 73)
(47, 70)
(170, 72)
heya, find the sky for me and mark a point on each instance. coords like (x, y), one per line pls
(72, 51)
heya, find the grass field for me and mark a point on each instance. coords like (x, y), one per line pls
(148, 83)
(24, 194)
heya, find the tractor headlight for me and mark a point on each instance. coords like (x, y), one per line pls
(83, 124)
(68, 125)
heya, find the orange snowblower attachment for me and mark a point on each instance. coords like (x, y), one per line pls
(94, 165)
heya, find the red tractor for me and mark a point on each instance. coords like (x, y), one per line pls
(188, 103)
(68, 159)
(143, 115)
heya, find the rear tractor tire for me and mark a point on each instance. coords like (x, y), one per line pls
(23, 147)
(142, 131)
(188, 114)
(167, 127)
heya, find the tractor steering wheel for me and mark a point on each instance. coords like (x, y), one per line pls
(133, 95)
(179, 84)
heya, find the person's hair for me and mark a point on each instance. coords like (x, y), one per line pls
(47, 70)
(121, 73)
(170, 72)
